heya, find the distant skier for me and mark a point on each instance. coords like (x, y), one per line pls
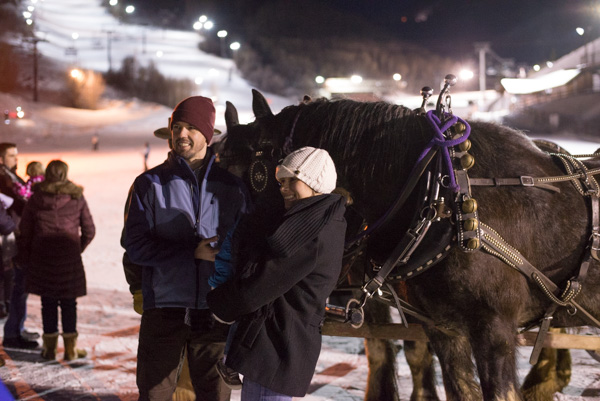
(95, 142)
(146, 154)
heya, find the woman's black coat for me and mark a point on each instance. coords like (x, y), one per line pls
(281, 304)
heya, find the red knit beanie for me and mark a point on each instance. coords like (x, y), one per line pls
(198, 111)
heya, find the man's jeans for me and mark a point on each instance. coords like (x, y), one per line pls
(252, 391)
(17, 312)
(163, 337)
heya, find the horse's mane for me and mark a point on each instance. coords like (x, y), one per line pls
(356, 133)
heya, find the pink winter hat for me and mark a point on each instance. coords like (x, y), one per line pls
(198, 111)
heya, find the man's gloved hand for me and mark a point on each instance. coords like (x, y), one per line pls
(138, 302)
(205, 251)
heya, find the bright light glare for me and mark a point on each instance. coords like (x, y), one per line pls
(203, 18)
(30, 8)
(356, 79)
(397, 77)
(197, 25)
(198, 80)
(466, 74)
(26, 14)
(20, 112)
(319, 79)
(113, 2)
(549, 64)
(129, 9)
(580, 31)
(77, 74)
(29, 21)
(75, 35)
(235, 46)
(532, 85)
(222, 33)
(536, 67)
(208, 25)
(159, 53)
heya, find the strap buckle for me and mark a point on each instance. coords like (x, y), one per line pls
(527, 181)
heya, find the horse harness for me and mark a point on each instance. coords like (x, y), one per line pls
(451, 144)
(445, 163)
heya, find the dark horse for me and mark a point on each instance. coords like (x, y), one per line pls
(478, 302)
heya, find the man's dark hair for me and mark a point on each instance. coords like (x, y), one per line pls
(4, 146)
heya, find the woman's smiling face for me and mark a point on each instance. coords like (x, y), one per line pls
(292, 189)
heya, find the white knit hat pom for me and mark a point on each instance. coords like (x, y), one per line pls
(312, 166)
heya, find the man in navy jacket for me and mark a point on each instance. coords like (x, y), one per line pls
(179, 214)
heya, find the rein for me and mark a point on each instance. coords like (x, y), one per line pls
(439, 142)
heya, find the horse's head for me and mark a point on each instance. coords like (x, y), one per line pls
(253, 150)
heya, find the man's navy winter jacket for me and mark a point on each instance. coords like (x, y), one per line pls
(170, 211)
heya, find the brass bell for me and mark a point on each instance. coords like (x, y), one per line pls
(459, 128)
(467, 161)
(469, 206)
(464, 146)
(471, 224)
(473, 243)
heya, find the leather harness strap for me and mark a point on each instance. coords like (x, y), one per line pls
(524, 181)
(494, 244)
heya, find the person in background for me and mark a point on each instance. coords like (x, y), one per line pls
(7, 226)
(278, 297)
(15, 335)
(56, 227)
(95, 142)
(35, 172)
(180, 212)
(146, 155)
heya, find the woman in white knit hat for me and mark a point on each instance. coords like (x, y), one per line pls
(278, 298)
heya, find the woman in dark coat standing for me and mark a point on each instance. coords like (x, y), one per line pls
(279, 299)
(55, 228)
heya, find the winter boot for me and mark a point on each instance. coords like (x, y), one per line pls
(71, 352)
(49, 346)
(184, 390)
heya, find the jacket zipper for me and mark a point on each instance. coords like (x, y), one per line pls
(196, 226)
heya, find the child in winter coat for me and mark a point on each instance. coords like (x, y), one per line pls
(35, 171)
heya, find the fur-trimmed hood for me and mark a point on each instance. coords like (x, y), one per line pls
(60, 188)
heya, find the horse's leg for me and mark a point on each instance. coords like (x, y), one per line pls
(563, 368)
(381, 355)
(494, 345)
(419, 356)
(549, 375)
(458, 370)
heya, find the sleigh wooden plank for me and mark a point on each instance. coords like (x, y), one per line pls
(415, 332)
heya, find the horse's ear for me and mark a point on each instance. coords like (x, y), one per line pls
(306, 99)
(231, 115)
(259, 105)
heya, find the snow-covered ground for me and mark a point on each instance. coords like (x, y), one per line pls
(107, 323)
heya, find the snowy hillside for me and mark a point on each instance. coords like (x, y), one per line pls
(82, 33)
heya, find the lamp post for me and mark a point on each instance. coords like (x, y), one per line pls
(586, 53)
(108, 48)
(222, 34)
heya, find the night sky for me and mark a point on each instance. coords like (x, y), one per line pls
(528, 31)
